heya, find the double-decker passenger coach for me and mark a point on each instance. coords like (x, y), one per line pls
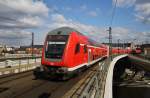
(67, 51)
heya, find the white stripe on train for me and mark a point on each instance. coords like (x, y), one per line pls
(84, 64)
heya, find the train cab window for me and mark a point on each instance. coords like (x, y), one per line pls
(85, 48)
(55, 46)
(77, 49)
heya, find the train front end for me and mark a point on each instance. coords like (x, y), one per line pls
(53, 54)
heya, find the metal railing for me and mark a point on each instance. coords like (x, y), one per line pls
(16, 56)
(94, 85)
(19, 65)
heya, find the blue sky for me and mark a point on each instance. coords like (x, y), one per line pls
(92, 17)
(79, 10)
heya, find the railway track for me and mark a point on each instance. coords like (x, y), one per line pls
(78, 87)
(21, 87)
(13, 77)
(25, 86)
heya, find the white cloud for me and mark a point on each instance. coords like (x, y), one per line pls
(141, 7)
(144, 8)
(15, 37)
(59, 20)
(24, 7)
(127, 35)
(83, 7)
(33, 21)
(92, 13)
(18, 15)
(67, 8)
(97, 9)
(124, 3)
(141, 1)
(99, 34)
(117, 31)
(17, 34)
(143, 12)
(122, 33)
(28, 13)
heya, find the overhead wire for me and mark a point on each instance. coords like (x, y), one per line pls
(110, 30)
(113, 13)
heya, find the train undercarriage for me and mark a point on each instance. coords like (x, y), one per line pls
(56, 73)
(52, 73)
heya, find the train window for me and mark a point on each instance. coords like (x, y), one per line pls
(77, 49)
(55, 46)
(54, 38)
(59, 32)
(85, 48)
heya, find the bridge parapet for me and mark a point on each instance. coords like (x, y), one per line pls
(21, 65)
(97, 83)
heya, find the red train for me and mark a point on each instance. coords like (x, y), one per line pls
(67, 51)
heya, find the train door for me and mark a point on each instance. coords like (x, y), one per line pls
(89, 56)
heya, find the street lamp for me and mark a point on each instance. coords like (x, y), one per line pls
(32, 43)
(110, 42)
(118, 45)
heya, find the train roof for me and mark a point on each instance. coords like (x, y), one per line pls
(68, 30)
(63, 31)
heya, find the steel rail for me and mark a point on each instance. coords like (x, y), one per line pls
(13, 77)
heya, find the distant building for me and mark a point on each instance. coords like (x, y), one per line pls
(6, 49)
(20, 50)
(146, 49)
(9, 49)
(36, 49)
(2, 49)
(133, 46)
(121, 45)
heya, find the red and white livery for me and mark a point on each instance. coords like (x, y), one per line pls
(67, 50)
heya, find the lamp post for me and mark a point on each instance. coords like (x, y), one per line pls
(124, 44)
(32, 43)
(118, 45)
(110, 42)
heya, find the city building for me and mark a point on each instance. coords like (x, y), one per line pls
(120, 45)
(2, 49)
(6, 49)
(146, 49)
(36, 49)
